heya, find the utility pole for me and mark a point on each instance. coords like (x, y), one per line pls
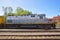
(5, 15)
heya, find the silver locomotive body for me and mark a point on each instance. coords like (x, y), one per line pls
(35, 19)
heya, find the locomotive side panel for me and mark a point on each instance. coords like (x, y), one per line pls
(25, 20)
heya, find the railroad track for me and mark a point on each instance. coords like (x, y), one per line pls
(29, 30)
(23, 34)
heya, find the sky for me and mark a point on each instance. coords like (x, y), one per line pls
(49, 7)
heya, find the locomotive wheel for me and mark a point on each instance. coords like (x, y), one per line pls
(42, 26)
(54, 26)
(48, 26)
(11, 26)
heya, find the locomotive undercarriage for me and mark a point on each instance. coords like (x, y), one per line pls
(28, 26)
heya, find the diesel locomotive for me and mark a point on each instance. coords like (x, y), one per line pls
(27, 21)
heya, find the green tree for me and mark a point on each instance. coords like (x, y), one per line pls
(7, 12)
(10, 10)
(20, 11)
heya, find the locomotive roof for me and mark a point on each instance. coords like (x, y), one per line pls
(34, 15)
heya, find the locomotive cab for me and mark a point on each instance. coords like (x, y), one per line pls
(42, 16)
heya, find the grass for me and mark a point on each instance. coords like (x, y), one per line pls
(58, 24)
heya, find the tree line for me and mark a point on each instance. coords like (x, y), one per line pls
(8, 11)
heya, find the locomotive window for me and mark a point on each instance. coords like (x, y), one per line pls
(9, 20)
(32, 15)
(41, 17)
